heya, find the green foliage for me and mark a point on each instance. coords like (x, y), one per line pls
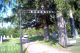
(9, 31)
(36, 4)
(33, 31)
(77, 19)
(78, 3)
(61, 5)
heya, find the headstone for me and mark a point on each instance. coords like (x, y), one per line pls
(7, 37)
(76, 32)
(11, 36)
(54, 35)
(0, 39)
(4, 37)
(25, 39)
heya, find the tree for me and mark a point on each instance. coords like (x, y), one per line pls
(44, 20)
(41, 20)
(77, 19)
(72, 6)
(72, 23)
(61, 24)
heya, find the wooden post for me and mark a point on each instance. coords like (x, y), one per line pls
(20, 12)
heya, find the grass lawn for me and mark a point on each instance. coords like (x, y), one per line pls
(76, 48)
(10, 46)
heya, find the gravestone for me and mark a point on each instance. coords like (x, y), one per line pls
(25, 39)
(11, 36)
(76, 32)
(0, 39)
(4, 37)
(8, 37)
(54, 35)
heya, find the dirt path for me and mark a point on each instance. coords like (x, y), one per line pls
(35, 47)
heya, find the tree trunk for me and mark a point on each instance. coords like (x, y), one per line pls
(73, 32)
(62, 30)
(46, 32)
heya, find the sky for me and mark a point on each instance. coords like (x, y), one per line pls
(8, 10)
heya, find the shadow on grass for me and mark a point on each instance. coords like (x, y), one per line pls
(7, 40)
(69, 46)
(36, 38)
(52, 41)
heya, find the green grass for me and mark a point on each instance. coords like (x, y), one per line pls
(76, 47)
(10, 46)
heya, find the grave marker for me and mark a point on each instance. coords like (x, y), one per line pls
(54, 35)
(0, 39)
(4, 37)
(11, 36)
(8, 37)
(25, 39)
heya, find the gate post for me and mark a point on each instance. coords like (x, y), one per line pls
(20, 19)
